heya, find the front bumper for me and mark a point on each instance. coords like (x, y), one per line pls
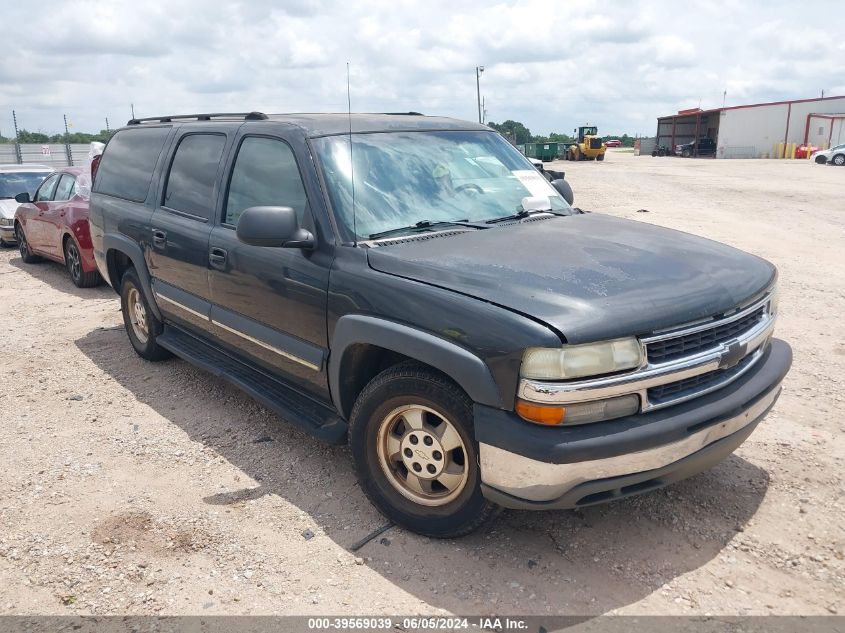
(7, 234)
(532, 467)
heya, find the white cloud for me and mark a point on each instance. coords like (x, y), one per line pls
(552, 65)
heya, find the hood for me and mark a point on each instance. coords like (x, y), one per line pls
(8, 206)
(590, 277)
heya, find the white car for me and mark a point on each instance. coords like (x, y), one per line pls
(15, 179)
(835, 156)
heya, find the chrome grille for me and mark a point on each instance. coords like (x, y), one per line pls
(698, 385)
(688, 344)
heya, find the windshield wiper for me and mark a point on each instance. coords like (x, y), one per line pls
(423, 225)
(523, 213)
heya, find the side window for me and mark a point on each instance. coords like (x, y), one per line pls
(129, 159)
(190, 184)
(65, 188)
(265, 174)
(45, 191)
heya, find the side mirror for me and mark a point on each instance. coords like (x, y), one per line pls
(272, 226)
(23, 198)
(564, 190)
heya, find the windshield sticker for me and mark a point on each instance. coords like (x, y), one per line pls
(535, 182)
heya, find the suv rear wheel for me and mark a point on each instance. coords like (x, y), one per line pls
(142, 327)
(415, 452)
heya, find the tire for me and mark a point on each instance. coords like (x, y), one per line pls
(142, 327)
(5, 244)
(23, 247)
(838, 160)
(600, 157)
(686, 153)
(566, 192)
(73, 263)
(409, 405)
(820, 160)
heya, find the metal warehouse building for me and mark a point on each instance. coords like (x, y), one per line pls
(755, 131)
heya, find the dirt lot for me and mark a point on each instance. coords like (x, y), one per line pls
(131, 487)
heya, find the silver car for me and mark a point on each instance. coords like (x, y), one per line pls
(834, 156)
(15, 179)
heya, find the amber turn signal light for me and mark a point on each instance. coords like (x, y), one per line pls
(550, 416)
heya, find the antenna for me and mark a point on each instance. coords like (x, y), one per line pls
(351, 164)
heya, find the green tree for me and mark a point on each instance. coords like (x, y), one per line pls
(25, 136)
(514, 131)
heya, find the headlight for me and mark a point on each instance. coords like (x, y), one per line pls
(774, 301)
(7, 221)
(577, 361)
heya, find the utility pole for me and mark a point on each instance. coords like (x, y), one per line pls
(478, 71)
(132, 107)
(822, 93)
(724, 94)
(18, 156)
(107, 126)
(68, 153)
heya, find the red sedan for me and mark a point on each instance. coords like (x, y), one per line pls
(54, 224)
(614, 142)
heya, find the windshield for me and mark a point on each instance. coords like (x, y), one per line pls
(403, 178)
(13, 183)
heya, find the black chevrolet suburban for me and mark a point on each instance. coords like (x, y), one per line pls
(412, 285)
(704, 147)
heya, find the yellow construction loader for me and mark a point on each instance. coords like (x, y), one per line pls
(588, 147)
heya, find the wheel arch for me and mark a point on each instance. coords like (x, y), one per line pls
(120, 253)
(363, 346)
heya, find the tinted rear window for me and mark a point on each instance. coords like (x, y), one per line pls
(126, 168)
(190, 185)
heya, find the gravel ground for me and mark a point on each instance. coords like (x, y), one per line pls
(136, 488)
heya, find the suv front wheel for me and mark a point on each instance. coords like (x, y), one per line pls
(142, 326)
(415, 453)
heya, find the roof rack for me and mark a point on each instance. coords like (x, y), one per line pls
(246, 116)
(405, 113)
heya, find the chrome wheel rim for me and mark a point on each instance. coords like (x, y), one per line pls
(73, 262)
(839, 161)
(422, 455)
(137, 315)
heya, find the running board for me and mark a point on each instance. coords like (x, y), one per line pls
(301, 411)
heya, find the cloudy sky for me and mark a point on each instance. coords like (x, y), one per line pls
(551, 65)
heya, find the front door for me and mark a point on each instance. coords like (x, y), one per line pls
(270, 303)
(35, 217)
(53, 217)
(181, 224)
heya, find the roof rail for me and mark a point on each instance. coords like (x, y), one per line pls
(246, 116)
(405, 113)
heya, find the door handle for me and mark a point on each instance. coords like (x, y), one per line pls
(159, 238)
(217, 257)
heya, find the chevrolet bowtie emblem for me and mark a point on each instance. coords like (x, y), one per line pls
(736, 352)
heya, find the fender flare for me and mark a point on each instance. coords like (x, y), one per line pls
(461, 365)
(131, 249)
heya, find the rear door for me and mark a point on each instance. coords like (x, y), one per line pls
(53, 217)
(180, 227)
(270, 303)
(35, 233)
